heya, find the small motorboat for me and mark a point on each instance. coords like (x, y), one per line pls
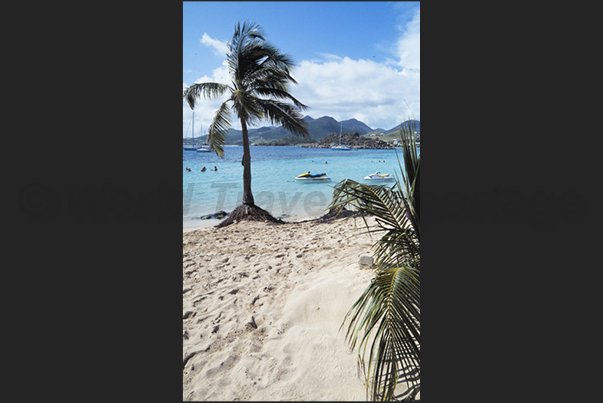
(377, 176)
(313, 178)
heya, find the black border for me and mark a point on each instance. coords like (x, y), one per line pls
(506, 311)
(97, 308)
(95, 311)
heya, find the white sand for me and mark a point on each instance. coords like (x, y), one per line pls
(297, 281)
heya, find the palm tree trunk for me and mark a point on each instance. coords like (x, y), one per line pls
(247, 195)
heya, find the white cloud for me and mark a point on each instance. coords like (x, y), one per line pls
(371, 92)
(329, 56)
(219, 48)
(382, 95)
(408, 45)
(378, 94)
(205, 109)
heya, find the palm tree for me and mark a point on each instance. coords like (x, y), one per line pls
(387, 314)
(260, 76)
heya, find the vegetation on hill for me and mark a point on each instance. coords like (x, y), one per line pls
(354, 140)
(287, 141)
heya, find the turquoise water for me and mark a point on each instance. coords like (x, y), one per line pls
(273, 170)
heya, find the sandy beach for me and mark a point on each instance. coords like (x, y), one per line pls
(262, 307)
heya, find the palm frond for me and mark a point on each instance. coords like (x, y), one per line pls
(385, 320)
(267, 63)
(398, 240)
(245, 36)
(246, 107)
(412, 162)
(207, 90)
(218, 129)
(284, 114)
(279, 93)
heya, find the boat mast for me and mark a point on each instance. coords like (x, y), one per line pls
(193, 127)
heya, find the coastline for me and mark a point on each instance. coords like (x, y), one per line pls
(262, 307)
(192, 225)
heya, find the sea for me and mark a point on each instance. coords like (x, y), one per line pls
(273, 172)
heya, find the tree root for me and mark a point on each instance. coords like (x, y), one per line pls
(246, 212)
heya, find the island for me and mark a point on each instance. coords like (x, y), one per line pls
(354, 140)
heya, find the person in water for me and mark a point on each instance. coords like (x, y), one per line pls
(203, 169)
(215, 168)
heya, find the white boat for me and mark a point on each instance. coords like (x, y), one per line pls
(204, 149)
(307, 177)
(377, 176)
(343, 147)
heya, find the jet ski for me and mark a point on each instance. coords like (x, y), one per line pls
(312, 178)
(377, 176)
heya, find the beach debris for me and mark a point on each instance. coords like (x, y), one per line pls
(365, 261)
(252, 323)
(217, 215)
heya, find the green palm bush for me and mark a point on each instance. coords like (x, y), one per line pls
(385, 320)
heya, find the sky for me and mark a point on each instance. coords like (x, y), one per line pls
(352, 59)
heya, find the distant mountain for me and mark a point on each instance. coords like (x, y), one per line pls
(416, 122)
(318, 128)
(355, 126)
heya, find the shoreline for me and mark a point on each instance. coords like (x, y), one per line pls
(192, 225)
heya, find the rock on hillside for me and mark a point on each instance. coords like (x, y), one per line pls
(354, 140)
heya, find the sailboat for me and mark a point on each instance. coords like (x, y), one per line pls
(193, 147)
(344, 147)
(204, 148)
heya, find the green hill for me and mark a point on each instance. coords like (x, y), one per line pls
(318, 128)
